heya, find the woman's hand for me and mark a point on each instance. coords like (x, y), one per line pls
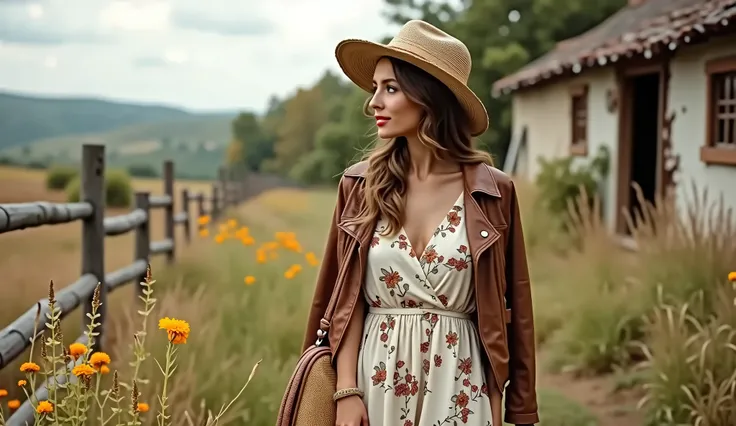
(351, 412)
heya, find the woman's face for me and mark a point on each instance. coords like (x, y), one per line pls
(395, 114)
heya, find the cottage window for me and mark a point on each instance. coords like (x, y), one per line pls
(579, 121)
(720, 143)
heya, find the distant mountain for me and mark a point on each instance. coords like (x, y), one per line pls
(25, 119)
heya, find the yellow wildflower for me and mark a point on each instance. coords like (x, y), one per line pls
(203, 220)
(142, 407)
(14, 404)
(732, 276)
(261, 256)
(219, 238)
(77, 349)
(249, 280)
(30, 367)
(104, 369)
(176, 329)
(242, 232)
(83, 370)
(98, 359)
(44, 407)
(311, 259)
(248, 241)
(21, 383)
(3, 393)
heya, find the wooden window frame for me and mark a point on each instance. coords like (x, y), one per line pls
(579, 148)
(709, 153)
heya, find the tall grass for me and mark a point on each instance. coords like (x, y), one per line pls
(662, 309)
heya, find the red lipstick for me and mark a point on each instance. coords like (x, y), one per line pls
(381, 121)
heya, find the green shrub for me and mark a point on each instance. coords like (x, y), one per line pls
(142, 170)
(118, 189)
(561, 180)
(58, 177)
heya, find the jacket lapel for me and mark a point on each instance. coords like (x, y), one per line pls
(481, 232)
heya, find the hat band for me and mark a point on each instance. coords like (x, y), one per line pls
(409, 46)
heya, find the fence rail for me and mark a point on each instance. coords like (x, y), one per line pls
(228, 190)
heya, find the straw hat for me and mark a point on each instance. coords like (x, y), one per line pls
(425, 46)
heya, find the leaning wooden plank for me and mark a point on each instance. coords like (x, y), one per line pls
(159, 200)
(24, 414)
(117, 225)
(125, 274)
(29, 215)
(15, 338)
(162, 246)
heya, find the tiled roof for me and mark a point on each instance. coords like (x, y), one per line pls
(647, 29)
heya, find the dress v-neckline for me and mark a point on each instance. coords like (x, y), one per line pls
(434, 232)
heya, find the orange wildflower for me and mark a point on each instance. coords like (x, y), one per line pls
(98, 359)
(83, 370)
(77, 349)
(249, 280)
(21, 383)
(3, 393)
(142, 407)
(45, 407)
(176, 329)
(14, 404)
(30, 367)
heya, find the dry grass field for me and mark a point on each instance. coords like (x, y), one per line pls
(246, 286)
(30, 258)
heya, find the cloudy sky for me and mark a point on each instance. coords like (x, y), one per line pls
(198, 54)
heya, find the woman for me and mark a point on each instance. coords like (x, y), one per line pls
(434, 315)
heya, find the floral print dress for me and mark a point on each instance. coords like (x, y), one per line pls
(420, 360)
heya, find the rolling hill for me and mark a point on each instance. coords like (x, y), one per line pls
(39, 130)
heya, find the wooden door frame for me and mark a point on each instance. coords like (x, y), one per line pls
(624, 73)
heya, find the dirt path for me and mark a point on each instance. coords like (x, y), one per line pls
(598, 394)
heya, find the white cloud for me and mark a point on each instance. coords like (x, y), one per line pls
(214, 54)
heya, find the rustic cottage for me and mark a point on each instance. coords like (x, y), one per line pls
(655, 83)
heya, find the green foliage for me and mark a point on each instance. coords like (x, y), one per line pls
(142, 170)
(561, 180)
(58, 177)
(118, 189)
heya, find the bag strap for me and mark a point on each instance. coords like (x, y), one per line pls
(325, 322)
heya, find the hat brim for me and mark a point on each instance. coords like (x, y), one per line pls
(358, 59)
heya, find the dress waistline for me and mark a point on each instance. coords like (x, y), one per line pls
(417, 311)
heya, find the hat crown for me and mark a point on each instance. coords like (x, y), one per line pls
(435, 46)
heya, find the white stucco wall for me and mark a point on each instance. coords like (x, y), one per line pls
(687, 98)
(546, 112)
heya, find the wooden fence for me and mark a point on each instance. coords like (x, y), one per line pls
(230, 189)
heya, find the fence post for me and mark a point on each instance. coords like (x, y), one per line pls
(142, 237)
(215, 202)
(92, 190)
(169, 210)
(200, 205)
(224, 189)
(185, 209)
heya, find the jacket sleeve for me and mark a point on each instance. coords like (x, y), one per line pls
(328, 271)
(521, 396)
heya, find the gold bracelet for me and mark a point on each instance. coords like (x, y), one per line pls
(343, 393)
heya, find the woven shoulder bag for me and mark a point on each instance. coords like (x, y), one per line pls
(308, 400)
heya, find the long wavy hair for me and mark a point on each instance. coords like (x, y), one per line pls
(444, 129)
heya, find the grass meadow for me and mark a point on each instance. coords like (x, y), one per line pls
(626, 327)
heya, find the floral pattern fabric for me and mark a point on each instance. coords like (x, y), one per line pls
(420, 361)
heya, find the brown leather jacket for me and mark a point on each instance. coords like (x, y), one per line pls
(503, 318)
